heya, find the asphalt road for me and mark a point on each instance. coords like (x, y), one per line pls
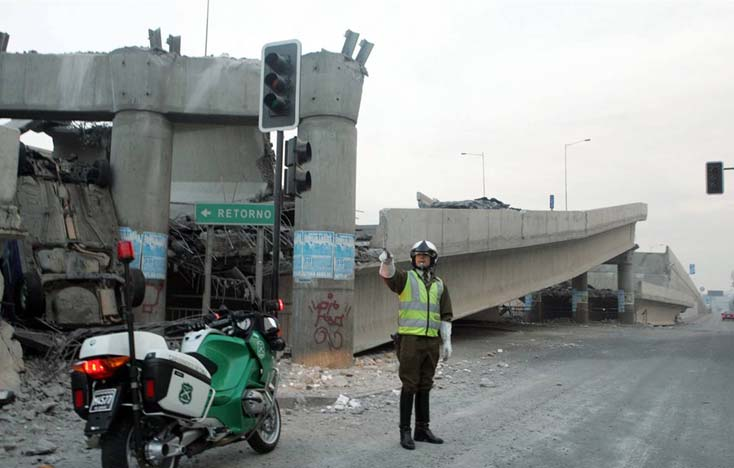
(599, 396)
(556, 396)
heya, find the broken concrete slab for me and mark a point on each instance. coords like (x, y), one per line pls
(11, 359)
(6, 397)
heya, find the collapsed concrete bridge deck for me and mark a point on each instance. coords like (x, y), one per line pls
(490, 257)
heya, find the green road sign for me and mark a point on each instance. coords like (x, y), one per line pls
(252, 214)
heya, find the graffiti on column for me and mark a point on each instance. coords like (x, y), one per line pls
(330, 318)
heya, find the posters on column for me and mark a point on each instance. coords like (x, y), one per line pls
(343, 256)
(155, 250)
(150, 250)
(313, 254)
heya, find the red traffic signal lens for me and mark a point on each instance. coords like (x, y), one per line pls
(125, 252)
(276, 83)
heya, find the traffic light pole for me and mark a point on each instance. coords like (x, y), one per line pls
(278, 204)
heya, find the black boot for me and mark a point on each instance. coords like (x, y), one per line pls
(422, 417)
(406, 408)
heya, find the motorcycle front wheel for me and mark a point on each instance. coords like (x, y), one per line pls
(118, 452)
(266, 437)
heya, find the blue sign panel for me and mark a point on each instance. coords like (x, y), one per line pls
(343, 256)
(552, 201)
(692, 269)
(150, 250)
(155, 254)
(313, 254)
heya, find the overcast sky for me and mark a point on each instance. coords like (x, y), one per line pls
(651, 83)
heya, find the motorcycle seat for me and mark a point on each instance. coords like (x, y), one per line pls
(210, 365)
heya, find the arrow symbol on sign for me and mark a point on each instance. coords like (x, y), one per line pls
(205, 212)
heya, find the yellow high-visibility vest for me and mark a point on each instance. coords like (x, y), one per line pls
(420, 312)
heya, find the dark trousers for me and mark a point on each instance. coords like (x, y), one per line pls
(418, 356)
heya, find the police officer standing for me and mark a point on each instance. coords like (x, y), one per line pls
(425, 310)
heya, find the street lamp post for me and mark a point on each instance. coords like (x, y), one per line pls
(484, 188)
(565, 168)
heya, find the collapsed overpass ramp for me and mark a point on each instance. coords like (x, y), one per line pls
(489, 257)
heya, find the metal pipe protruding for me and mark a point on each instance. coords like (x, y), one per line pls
(154, 37)
(5, 39)
(365, 48)
(350, 42)
(174, 44)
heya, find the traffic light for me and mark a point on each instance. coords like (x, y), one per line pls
(714, 177)
(280, 75)
(297, 179)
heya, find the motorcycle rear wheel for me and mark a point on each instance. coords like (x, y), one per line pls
(266, 437)
(117, 448)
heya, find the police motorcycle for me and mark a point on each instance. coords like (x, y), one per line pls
(148, 405)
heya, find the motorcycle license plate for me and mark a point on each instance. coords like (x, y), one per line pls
(103, 400)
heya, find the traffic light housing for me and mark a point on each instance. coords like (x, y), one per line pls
(714, 177)
(297, 179)
(280, 75)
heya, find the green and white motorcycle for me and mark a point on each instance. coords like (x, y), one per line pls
(162, 404)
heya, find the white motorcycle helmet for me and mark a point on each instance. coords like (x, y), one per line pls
(424, 247)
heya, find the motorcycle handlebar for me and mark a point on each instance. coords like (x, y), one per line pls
(220, 323)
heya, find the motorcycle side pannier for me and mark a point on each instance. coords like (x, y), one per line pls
(175, 383)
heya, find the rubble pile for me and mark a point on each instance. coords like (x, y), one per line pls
(38, 427)
(233, 256)
(369, 374)
(362, 237)
(564, 290)
(482, 203)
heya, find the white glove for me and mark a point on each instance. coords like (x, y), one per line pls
(446, 338)
(385, 256)
(387, 266)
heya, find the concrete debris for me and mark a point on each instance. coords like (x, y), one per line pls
(482, 203)
(41, 447)
(234, 254)
(486, 383)
(503, 365)
(344, 403)
(11, 359)
(6, 397)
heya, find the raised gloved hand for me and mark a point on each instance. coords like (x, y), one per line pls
(385, 256)
(446, 338)
(387, 265)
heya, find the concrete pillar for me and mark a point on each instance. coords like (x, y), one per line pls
(331, 90)
(625, 284)
(580, 298)
(536, 307)
(141, 154)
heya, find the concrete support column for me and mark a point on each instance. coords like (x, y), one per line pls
(536, 309)
(580, 298)
(141, 155)
(625, 283)
(323, 317)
